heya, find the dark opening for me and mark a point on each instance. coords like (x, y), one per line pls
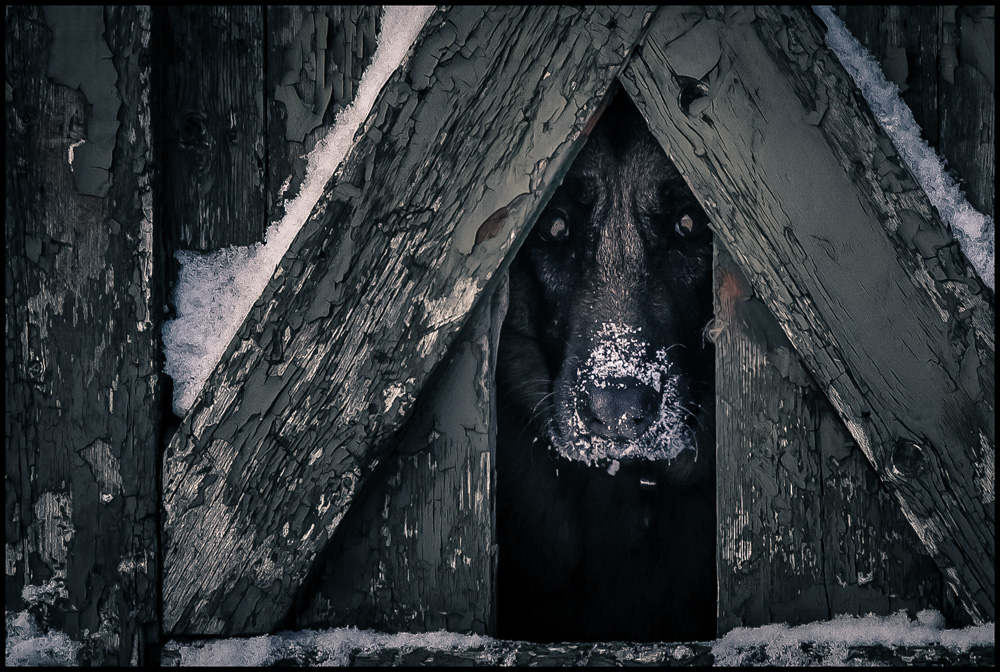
(606, 434)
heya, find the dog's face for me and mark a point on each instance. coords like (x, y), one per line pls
(603, 345)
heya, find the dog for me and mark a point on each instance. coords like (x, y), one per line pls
(605, 387)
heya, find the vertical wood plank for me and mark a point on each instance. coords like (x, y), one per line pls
(82, 388)
(770, 555)
(942, 58)
(807, 529)
(906, 40)
(874, 561)
(211, 62)
(968, 100)
(316, 55)
(416, 552)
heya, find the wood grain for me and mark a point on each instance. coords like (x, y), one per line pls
(82, 389)
(210, 65)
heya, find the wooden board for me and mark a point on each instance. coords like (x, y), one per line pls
(768, 480)
(315, 57)
(210, 66)
(296, 651)
(82, 392)
(416, 551)
(807, 530)
(873, 561)
(810, 197)
(461, 149)
(943, 60)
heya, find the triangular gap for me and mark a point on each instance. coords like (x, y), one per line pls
(604, 394)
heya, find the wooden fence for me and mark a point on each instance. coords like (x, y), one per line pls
(134, 132)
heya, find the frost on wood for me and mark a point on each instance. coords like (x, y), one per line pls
(262, 469)
(215, 291)
(27, 644)
(975, 231)
(813, 201)
(838, 642)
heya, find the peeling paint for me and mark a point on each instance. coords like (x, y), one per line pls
(104, 466)
(80, 59)
(986, 469)
(360, 364)
(13, 557)
(52, 531)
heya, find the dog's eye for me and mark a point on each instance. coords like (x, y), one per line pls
(554, 230)
(689, 226)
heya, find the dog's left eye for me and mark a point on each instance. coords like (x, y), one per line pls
(689, 226)
(555, 230)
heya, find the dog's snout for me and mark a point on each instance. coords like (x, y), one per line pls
(620, 408)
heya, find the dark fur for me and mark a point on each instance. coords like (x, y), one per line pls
(604, 544)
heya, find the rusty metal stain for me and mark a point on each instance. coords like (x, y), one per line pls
(491, 227)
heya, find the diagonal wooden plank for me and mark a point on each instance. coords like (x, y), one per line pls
(458, 155)
(809, 195)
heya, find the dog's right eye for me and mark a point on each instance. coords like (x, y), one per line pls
(554, 230)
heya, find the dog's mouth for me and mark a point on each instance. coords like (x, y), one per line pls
(618, 364)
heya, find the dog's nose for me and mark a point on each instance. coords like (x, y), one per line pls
(620, 408)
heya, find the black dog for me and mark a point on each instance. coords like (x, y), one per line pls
(606, 496)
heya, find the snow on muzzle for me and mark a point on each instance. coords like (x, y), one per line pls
(624, 405)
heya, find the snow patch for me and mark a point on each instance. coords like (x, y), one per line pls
(28, 645)
(215, 291)
(780, 644)
(974, 231)
(333, 647)
(825, 643)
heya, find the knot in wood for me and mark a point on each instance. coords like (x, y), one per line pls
(907, 459)
(193, 130)
(691, 90)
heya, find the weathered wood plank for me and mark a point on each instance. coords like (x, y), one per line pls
(313, 72)
(810, 197)
(82, 304)
(415, 552)
(475, 130)
(694, 654)
(873, 561)
(943, 60)
(808, 529)
(210, 64)
(768, 483)
(968, 101)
